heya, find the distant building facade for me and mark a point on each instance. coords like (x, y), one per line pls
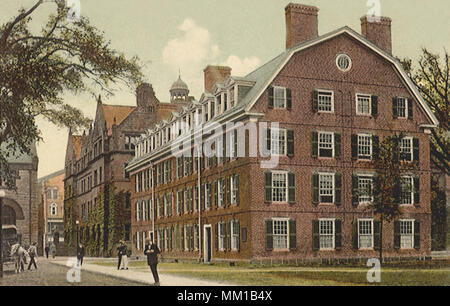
(333, 97)
(52, 198)
(96, 186)
(20, 213)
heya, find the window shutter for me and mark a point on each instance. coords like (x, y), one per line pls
(354, 146)
(375, 147)
(315, 188)
(416, 151)
(355, 236)
(238, 225)
(182, 237)
(291, 187)
(290, 143)
(314, 144)
(228, 179)
(397, 235)
(288, 98)
(417, 235)
(202, 196)
(292, 235)
(416, 190)
(315, 101)
(374, 101)
(337, 188)
(216, 236)
(268, 140)
(338, 234)
(394, 108)
(267, 186)
(236, 177)
(376, 235)
(315, 235)
(229, 235)
(355, 190)
(410, 108)
(216, 193)
(337, 145)
(270, 97)
(269, 235)
(235, 144)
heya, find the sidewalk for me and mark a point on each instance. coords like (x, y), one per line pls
(144, 278)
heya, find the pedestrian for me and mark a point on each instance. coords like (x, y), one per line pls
(124, 265)
(80, 254)
(47, 249)
(32, 252)
(53, 250)
(120, 254)
(152, 251)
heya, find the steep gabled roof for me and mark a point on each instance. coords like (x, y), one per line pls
(264, 75)
(115, 114)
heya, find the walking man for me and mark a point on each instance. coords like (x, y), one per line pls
(124, 265)
(120, 253)
(53, 250)
(152, 251)
(80, 254)
(47, 249)
(32, 252)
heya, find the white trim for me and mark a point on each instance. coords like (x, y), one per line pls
(280, 219)
(286, 173)
(349, 59)
(333, 235)
(332, 144)
(319, 90)
(285, 97)
(412, 233)
(370, 104)
(372, 230)
(368, 44)
(371, 146)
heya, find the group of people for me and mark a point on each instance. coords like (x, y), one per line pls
(50, 249)
(20, 255)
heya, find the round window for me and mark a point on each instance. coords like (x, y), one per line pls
(343, 62)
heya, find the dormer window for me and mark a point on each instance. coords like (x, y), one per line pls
(219, 104)
(231, 97)
(212, 109)
(206, 112)
(225, 102)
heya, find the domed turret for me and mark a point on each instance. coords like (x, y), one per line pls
(179, 91)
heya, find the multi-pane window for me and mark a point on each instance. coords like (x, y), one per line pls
(221, 193)
(179, 167)
(364, 146)
(406, 234)
(231, 97)
(234, 234)
(363, 104)
(326, 144)
(402, 110)
(325, 101)
(406, 149)
(280, 234)
(326, 234)
(278, 141)
(326, 188)
(365, 188)
(407, 190)
(180, 202)
(222, 236)
(365, 233)
(279, 100)
(138, 211)
(279, 186)
(234, 189)
(208, 195)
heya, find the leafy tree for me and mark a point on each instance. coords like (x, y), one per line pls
(387, 186)
(36, 69)
(432, 78)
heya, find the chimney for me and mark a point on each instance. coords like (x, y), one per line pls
(302, 23)
(144, 92)
(215, 74)
(378, 30)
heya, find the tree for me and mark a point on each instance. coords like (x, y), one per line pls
(389, 164)
(432, 76)
(36, 69)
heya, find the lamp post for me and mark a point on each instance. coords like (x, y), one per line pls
(2, 195)
(77, 222)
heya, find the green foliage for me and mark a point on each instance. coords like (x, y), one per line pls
(438, 217)
(38, 68)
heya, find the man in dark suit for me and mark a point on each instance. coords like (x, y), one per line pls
(152, 251)
(120, 252)
(80, 254)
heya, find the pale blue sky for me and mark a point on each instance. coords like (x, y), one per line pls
(189, 34)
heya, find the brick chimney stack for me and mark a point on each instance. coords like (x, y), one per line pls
(378, 31)
(144, 93)
(302, 23)
(215, 74)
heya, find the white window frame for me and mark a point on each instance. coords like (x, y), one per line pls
(333, 235)
(286, 220)
(412, 234)
(207, 195)
(286, 191)
(235, 237)
(221, 193)
(222, 236)
(370, 136)
(333, 175)
(406, 107)
(323, 92)
(366, 176)
(275, 88)
(233, 190)
(138, 240)
(372, 233)
(364, 96)
(411, 147)
(138, 211)
(411, 179)
(279, 132)
(332, 144)
(54, 209)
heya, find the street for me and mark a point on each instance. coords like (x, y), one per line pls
(49, 274)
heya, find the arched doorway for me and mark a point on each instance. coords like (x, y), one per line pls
(8, 215)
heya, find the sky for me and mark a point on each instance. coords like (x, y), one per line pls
(186, 35)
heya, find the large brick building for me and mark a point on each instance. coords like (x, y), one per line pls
(333, 98)
(96, 186)
(20, 213)
(51, 191)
